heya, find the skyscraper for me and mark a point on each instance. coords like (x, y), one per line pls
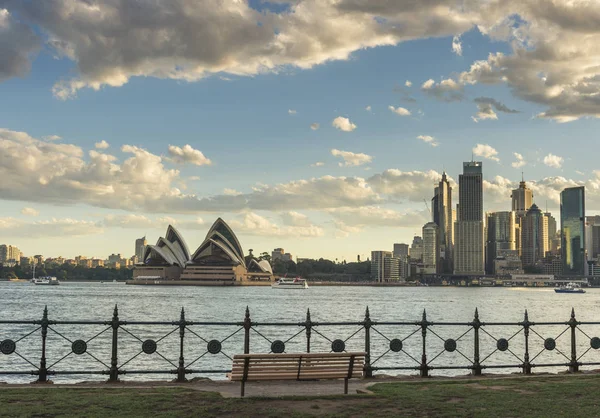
(441, 206)
(500, 236)
(416, 249)
(140, 248)
(572, 228)
(552, 242)
(522, 199)
(385, 266)
(534, 233)
(430, 248)
(469, 243)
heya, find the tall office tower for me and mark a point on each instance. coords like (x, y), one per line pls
(430, 248)
(401, 251)
(441, 206)
(572, 228)
(384, 266)
(9, 253)
(552, 244)
(592, 238)
(140, 248)
(534, 236)
(416, 249)
(522, 199)
(468, 233)
(500, 237)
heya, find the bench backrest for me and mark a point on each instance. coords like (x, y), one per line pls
(301, 366)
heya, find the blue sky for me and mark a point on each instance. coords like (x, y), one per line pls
(246, 115)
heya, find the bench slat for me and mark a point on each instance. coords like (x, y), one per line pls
(296, 355)
(250, 378)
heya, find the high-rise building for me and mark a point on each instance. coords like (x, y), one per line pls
(534, 235)
(401, 251)
(430, 248)
(572, 227)
(469, 229)
(384, 266)
(500, 236)
(522, 199)
(552, 242)
(9, 253)
(592, 237)
(416, 249)
(140, 247)
(441, 206)
(281, 255)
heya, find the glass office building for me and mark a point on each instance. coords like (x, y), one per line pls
(572, 220)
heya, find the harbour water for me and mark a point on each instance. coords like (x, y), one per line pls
(96, 301)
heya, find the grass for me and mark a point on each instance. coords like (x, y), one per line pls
(571, 396)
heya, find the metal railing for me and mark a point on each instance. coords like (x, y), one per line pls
(420, 346)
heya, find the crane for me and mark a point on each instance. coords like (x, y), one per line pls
(427, 206)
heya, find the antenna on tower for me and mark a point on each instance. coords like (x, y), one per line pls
(522, 176)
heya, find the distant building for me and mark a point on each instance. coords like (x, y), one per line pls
(10, 254)
(416, 249)
(469, 242)
(442, 214)
(500, 236)
(401, 251)
(430, 248)
(534, 236)
(97, 262)
(592, 237)
(384, 266)
(552, 264)
(507, 262)
(553, 244)
(140, 247)
(522, 199)
(572, 221)
(280, 254)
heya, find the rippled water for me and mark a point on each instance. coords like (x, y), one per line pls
(96, 301)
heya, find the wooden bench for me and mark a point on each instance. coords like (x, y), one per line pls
(301, 366)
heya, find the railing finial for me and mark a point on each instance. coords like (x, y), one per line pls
(526, 316)
(367, 315)
(572, 313)
(247, 312)
(476, 314)
(424, 315)
(308, 315)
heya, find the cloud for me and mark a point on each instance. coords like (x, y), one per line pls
(408, 83)
(520, 161)
(375, 216)
(318, 164)
(102, 145)
(254, 224)
(351, 159)
(405, 185)
(368, 108)
(429, 140)
(399, 111)
(343, 230)
(343, 124)
(457, 46)
(60, 228)
(293, 218)
(231, 192)
(486, 151)
(446, 90)
(51, 138)
(485, 112)
(128, 221)
(314, 126)
(187, 155)
(500, 107)
(292, 112)
(554, 161)
(17, 43)
(30, 212)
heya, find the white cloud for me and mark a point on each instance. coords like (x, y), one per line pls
(379, 216)
(60, 228)
(428, 140)
(486, 151)
(457, 45)
(292, 111)
(351, 159)
(368, 108)
(520, 160)
(128, 221)
(30, 212)
(408, 83)
(581, 173)
(231, 192)
(187, 155)
(485, 112)
(314, 126)
(343, 124)
(554, 161)
(405, 185)
(51, 138)
(293, 218)
(253, 224)
(399, 111)
(446, 90)
(318, 164)
(344, 230)
(102, 145)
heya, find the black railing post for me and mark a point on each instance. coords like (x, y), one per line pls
(476, 325)
(424, 369)
(308, 326)
(526, 364)
(43, 372)
(114, 370)
(573, 365)
(247, 326)
(181, 368)
(367, 325)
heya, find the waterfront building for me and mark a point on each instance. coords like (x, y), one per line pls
(534, 235)
(385, 267)
(416, 249)
(507, 262)
(522, 199)
(592, 237)
(469, 228)
(430, 248)
(219, 260)
(552, 264)
(10, 254)
(280, 254)
(442, 214)
(500, 236)
(140, 247)
(402, 251)
(572, 224)
(97, 262)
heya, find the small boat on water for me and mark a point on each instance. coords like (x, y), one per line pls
(570, 288)
(285, 283)
(45, 281)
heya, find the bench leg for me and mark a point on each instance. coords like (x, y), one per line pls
(243, 388)
(345, 386)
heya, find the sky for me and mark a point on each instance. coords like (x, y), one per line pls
(319, 126)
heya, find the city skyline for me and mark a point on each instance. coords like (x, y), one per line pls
(325, 148)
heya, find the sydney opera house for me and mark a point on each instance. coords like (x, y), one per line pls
(219, 260)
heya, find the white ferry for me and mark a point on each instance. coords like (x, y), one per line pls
(46, 281)
(285, 283)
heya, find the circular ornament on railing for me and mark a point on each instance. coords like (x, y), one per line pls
(8, 347)
(337, 346)
(549, 344)
(595, 343)
(149, 346)
(278, 347)
(396, 345)
(214, 347)
(79, 347)
(502, 344)
(450, 345)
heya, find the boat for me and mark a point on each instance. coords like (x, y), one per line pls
(288, 283)
(46, 281)
(570, 288)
